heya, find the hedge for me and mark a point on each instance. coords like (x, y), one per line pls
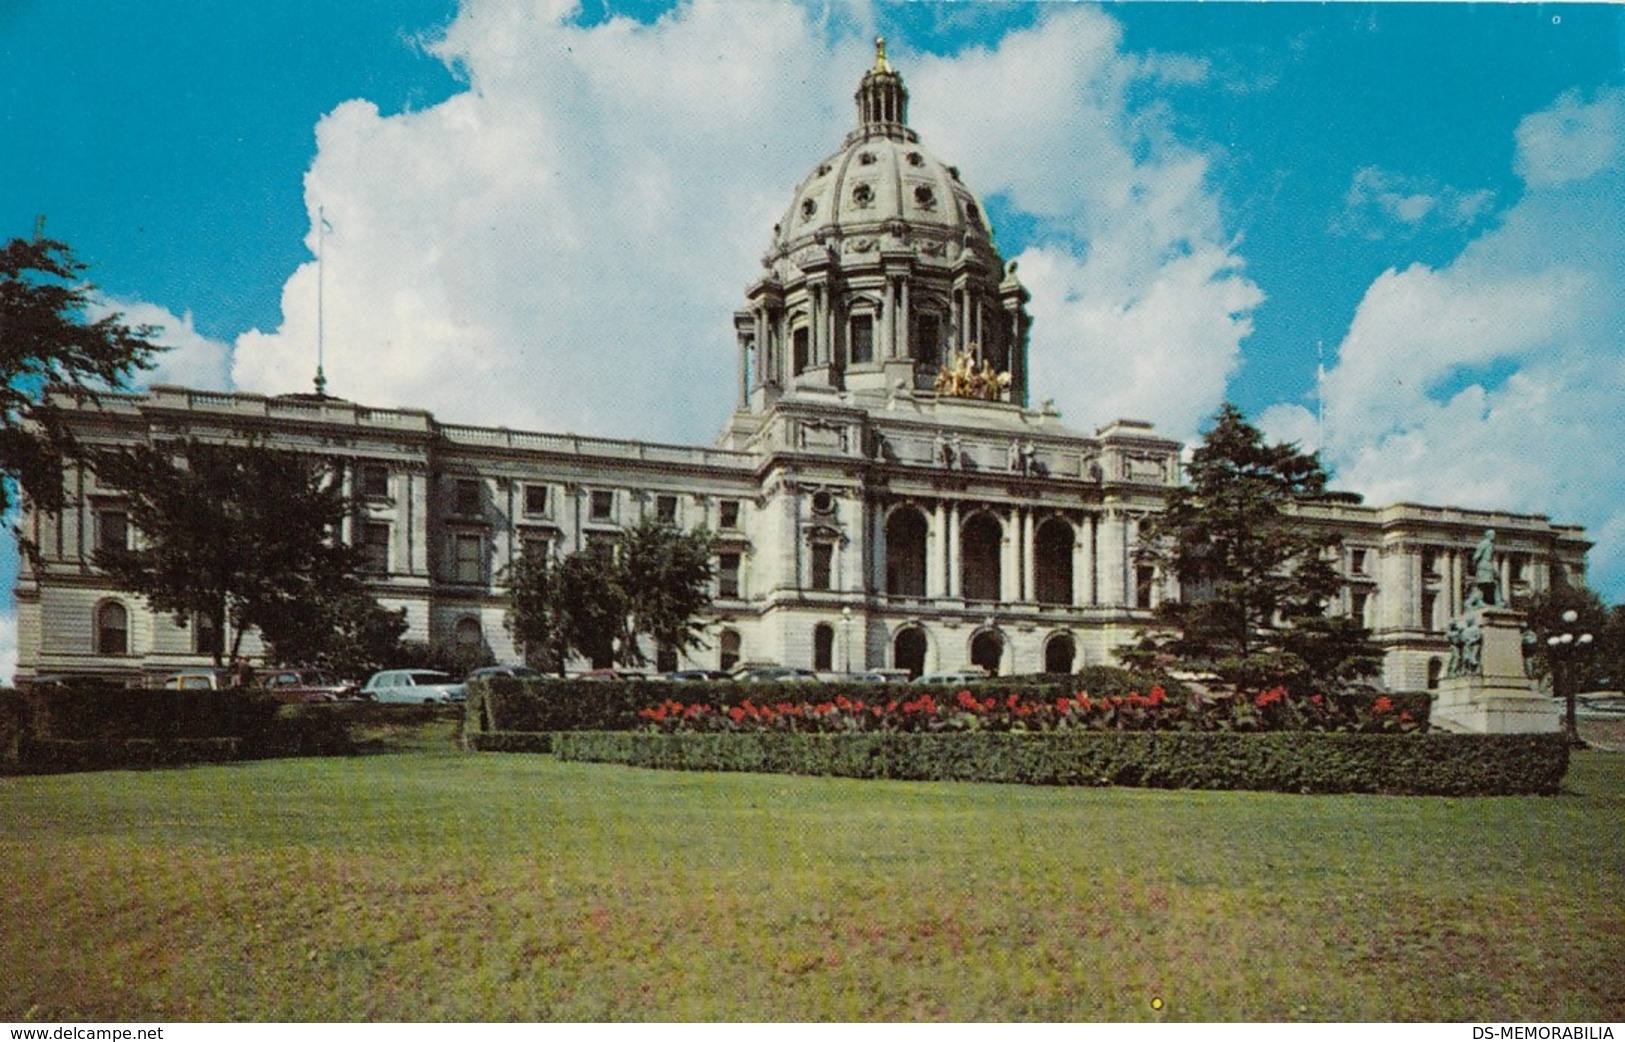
(1299, 762)
(96, 728)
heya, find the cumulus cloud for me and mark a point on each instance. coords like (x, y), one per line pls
(1380, 203)
(562, 245)
(190, 359)
(1496, 380)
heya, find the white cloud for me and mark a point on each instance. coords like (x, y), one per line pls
(562, 245)
(1380, 202)
(1498, 380)
(1572, 140)
(192, 359)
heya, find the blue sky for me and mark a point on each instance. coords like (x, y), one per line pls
(543, 214)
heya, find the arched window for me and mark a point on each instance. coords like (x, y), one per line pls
(466, 634)
(979, 551)
(1052, 562)
(728, 649)
(905, 552)
(1060, 654)
(1435, 668)
(986, 650)
(112, 629)
(823, 647)
(908, 650)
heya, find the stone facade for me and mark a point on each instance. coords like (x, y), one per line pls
(866, 518)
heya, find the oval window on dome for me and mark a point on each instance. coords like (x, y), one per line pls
(863, 194)
(808, 208)
(924, 196)
(823, 168)
(915, 159)
(866, 158)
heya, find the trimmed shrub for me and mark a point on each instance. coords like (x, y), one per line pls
(1301, 762)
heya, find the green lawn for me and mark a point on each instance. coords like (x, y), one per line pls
(432, 884)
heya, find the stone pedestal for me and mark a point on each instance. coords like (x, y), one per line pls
(1499, 698)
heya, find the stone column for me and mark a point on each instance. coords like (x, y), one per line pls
(1111, 552)
(954, 559)
(936, 564)
(1010, 565)
(1029, 556)
(877, 546)
(1083, 553)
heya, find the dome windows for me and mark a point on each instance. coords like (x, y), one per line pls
(866, 158)
(808, 208)
(915, 159)
(924, 196)
(863, 194)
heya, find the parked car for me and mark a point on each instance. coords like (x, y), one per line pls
(196, 680)
(610, 674)
(696, 675)
(522, 672)
(413, 687)
(774, 675)
(960, 677)
(306, 686)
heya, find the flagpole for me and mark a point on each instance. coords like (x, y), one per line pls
(321, 235)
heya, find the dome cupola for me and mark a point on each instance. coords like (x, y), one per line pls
(881, 272)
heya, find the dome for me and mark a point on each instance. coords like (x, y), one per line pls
(882, 276)
(883, 190)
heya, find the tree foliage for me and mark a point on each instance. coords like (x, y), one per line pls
(48, 345)
(597, 601)
(245, 536)
(1256, 576)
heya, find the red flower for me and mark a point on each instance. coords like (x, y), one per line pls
(1382, 705)
(737, 713)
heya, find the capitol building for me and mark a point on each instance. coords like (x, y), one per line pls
(885, 493)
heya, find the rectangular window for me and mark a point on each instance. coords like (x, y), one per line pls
(823, 556)
(1429, 603)
(375, 547)
(602, 506)
(374, 480)
(863, 339)
(603, 544)
(537, 547)
(728, 514)
(728, 575)
(112, 530)
(1357, 562)
(468, 498)
(536, 500)
(468, 558)
(1145, 578)
(798, 355)
(205, 638)
(666, 509)
(1357, 607)
(927, 340)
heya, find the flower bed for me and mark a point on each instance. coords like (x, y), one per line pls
(1271, 710)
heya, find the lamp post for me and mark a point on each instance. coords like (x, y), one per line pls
(1562, 649)
(846, 635)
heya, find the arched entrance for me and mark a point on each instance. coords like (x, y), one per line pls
(908, 650)
(905, 552)
(986, 650)
(979, 551)
(1052, 562)
(1060, 653)
(823, 647)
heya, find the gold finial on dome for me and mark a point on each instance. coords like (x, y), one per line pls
(881, 65)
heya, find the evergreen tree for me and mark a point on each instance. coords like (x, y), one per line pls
(47, 347)
(1256, 575)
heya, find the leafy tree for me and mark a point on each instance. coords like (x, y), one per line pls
(1579, 667)
(1256, 576)
(240, 535)
(46, 346)
(596, 601)
(667, 575)
(339, 625)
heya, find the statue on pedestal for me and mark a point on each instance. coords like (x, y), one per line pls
(1485, 582)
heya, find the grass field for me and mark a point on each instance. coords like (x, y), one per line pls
(431, 884)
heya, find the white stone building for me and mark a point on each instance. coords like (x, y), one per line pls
(866, 519)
